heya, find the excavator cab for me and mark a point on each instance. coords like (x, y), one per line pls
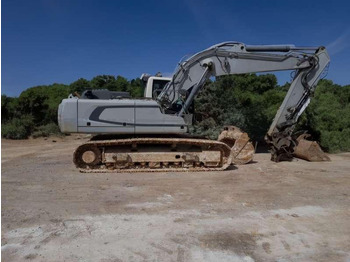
(153, 85)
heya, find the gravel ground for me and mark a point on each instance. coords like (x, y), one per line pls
(263, 211)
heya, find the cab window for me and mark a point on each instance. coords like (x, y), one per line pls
(158, 86)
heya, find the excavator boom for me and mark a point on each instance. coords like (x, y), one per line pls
(238, 58)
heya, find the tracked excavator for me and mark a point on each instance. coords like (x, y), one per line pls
(151, 134)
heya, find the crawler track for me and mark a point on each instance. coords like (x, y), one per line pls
(152, 155)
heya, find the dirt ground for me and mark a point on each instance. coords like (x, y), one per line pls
(264, 211)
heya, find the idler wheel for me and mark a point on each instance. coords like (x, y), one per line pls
(87, 156)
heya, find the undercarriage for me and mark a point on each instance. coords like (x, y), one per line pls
(164, 154)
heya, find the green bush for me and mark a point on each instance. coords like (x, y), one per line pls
(46, 130)
(18, 128)
(247, 101)
(327, 117)
(250, 102)
(335, 141)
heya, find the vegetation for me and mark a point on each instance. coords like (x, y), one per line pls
(328, 116)
(47, 130)
(247, 101)
(250, 102)
(18, 128)
(34, 112)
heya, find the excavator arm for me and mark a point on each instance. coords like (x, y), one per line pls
(237, 58)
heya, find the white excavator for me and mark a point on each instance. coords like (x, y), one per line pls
(151, 133)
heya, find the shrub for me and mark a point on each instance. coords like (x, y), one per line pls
(46, 130)
(336, 141)
(18, 128)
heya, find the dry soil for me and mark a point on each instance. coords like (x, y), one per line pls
(263, 211)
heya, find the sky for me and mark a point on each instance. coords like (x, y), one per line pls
(60, 41)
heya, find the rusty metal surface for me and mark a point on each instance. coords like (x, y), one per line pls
(88, 157)
(309, 150)
(138, 157)
(241, 147)
(140, 170)
(121, 155)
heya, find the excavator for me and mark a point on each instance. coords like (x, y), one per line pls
(152, 133)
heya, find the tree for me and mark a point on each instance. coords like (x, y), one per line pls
(237, 100)
(136, 88)
(110, 82)
(248, 101)
(32, 102)
(103, 82)
(9, 108)
(328, 116)
(55, 93)
(121, 84)
(79, 86)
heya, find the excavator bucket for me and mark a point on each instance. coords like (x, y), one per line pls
(309, 150)
(241, 147)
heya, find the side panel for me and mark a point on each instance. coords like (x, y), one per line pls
(150, 120)
(106, 116)
(117, 117)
